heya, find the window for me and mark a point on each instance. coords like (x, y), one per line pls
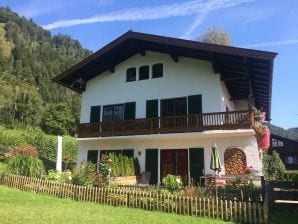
(113, 112)
(95, 114)
(274, 142)
(144, 72)
(116, 112)
(157, 70)
(290, 160)
(173, 107)
(277, 143)
(280, 143)
(131, 74)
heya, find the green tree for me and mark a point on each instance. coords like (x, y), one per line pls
(58, 119)
(273, 166)
(5, 46)
(215, 35)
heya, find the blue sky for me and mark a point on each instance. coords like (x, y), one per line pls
(270, 25)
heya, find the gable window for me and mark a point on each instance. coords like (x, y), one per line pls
(144, 72)
(131, 74)
(157, 70)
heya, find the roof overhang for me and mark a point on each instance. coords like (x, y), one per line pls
(246, 73)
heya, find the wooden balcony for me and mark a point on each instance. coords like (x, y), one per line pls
(176, 124)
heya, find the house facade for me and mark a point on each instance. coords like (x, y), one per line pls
(287, 149)
(165, 100)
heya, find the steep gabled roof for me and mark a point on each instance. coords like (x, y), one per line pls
(245, 72)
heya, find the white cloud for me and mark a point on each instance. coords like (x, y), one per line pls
(200, 18)
(35, 8)
(270, 44)
(151, 13)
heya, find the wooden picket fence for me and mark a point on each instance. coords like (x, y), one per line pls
(240, 212)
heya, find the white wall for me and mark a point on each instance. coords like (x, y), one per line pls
(187, 77)
(226, 98)
(243, 139)
(232, 105)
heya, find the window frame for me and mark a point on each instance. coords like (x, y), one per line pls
(147, 76)
(154, 76)
(113, 112)
(131, 79)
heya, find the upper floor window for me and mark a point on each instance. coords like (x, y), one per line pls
(277, 143)
(144, 72)
(131, 74)
(157, 70)
(113, 112)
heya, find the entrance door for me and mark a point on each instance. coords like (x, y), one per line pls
(174, 162)
(196, 164)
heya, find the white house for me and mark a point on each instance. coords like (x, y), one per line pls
(165, 100)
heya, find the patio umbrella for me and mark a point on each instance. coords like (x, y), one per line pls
(215, 163)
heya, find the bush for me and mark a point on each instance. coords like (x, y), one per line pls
(25, 165)
(273, 167)
(291, 176)
(46, 144)
(172, 183)
(122, 165)
(85, 175)
(62, 177)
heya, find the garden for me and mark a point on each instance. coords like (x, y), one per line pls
(239, 200)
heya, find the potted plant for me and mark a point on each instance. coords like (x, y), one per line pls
(262, 132)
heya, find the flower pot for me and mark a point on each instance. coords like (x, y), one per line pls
(263, 140)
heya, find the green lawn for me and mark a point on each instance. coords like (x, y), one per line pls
(24, 207)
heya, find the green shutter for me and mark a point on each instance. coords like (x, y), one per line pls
(196, 164)
(95, 114)
(130, 111)
(151, 108)
(195, 104)
(152, 164)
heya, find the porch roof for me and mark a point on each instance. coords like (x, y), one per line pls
(245, 72)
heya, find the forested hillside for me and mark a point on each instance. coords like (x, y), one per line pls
(29, 57)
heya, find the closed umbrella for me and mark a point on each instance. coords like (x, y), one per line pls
(215, 163)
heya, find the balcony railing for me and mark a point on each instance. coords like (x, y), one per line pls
(174, 124)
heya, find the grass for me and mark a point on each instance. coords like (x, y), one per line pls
(24, 207)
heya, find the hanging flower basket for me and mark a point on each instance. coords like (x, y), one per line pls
(263, 139)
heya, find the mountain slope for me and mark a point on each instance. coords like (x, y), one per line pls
(29, 58)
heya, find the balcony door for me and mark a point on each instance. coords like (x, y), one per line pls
(173, 112)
